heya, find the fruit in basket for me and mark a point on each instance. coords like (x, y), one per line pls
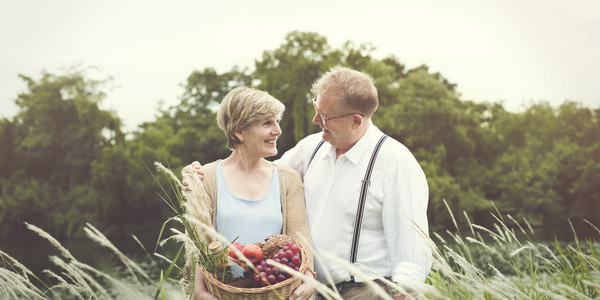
(296, 260)
(274, 243)
(269, 273)
(232, 253)
(295, 248)
(253, 253)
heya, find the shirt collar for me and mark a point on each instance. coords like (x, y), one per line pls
(356, 152)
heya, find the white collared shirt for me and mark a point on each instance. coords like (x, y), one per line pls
(389, 243)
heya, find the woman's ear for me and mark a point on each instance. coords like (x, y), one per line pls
(240, 136)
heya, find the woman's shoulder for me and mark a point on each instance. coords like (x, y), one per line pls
(287, 172)
(210, 169)
(209, 166)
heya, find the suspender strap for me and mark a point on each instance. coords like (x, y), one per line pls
(314, 153)
(362, 200)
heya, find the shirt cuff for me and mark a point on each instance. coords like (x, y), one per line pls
(407, 274)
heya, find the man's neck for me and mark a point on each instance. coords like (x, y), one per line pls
(357, 135)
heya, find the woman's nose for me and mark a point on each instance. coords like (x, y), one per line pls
(277, 129)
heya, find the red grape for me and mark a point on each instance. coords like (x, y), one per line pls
(295, 248)
(296, 260)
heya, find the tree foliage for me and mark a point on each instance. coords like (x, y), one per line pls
(287, 73)
(64, 161)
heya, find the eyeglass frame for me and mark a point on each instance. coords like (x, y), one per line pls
(325, 119)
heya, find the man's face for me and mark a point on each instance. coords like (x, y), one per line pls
(337, 131)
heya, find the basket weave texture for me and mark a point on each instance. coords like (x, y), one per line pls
(280, 290)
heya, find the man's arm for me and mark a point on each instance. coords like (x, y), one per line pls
(405, 222)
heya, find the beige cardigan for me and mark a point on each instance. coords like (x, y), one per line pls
(295, 222)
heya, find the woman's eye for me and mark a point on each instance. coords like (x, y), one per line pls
(270, 122)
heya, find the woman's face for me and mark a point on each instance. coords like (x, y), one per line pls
(260, 138)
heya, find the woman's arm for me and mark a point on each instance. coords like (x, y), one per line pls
(200, 292)
(296, 219)
(297, 227)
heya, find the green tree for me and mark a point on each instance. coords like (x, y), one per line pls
(423, 111)
(288, 73)
(65, 161)
(63, 129)
(188, 131)
(547, 165)
(579, 156)
(52, 143)
(8, 148)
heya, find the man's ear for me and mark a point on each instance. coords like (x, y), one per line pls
(356, 120)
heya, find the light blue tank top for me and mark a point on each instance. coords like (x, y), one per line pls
(250, 221)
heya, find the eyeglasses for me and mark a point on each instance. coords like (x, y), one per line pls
(325, 119)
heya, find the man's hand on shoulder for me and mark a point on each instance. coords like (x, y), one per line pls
(188, 172)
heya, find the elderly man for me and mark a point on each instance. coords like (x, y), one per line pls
(366, 195)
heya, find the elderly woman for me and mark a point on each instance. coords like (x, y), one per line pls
(250, 197)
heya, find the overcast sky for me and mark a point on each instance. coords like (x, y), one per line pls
(518, 52)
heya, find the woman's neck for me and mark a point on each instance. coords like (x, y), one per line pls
(247, 178)
(245, 163)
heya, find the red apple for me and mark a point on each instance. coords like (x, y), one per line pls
(232, 252)
(253, 253)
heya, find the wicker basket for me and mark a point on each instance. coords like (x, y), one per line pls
(280, 290)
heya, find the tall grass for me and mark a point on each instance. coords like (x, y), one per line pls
(74, 279)
(504, 261)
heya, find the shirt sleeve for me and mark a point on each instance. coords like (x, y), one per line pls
(297, 157)
(405, 224)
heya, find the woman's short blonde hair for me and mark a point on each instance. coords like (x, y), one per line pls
(243, 106)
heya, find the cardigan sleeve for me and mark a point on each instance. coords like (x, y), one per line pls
(210, 184)
(296, 219)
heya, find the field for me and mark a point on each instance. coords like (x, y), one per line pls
(503, 262)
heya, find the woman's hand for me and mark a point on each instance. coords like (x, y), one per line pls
(205, 295)
(303, 291)
(200, 292)
(410, 294)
